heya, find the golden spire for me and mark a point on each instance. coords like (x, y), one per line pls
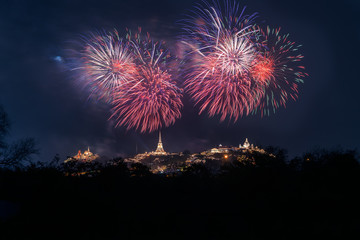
(246, 143)
(160, 150)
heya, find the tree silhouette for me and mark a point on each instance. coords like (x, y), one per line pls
(115, 169)
(197, 170)
(4, 127)
(140, 170)
(264, 200)
(14, 154)
(335, 161)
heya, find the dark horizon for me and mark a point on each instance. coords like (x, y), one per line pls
(38, 91)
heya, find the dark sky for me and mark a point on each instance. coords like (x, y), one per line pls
(43, 102)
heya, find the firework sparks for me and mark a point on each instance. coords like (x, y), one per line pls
(232, 68)
(108, 64)
(277, 69)
(153, 100)
(221, 57)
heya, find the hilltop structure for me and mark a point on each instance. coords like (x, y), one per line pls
(153, 154)
(159, 150)
(224, 149)
(160, 161)
(87, 156)
(246, 144)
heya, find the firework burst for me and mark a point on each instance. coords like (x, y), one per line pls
(221, 56)
(153, 100)
(232, 67)
(278, 70)
(108, 63)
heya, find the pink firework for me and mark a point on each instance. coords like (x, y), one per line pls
(152, 101)
(277, 70)
(221, 56)
(263, 69)
(108, 64)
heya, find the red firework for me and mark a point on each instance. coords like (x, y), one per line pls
(220, 94)
(220, 60)
(234, 67)
(152, 101)
(263, 69)
(277, 70)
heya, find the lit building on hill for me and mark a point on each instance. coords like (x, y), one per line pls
(246, 147)
(159, 150)
(246, 144)
(87, 156)
(163, 162)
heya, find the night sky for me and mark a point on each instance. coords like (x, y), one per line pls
(43, 101)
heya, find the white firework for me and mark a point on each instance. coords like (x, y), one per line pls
(108, 63)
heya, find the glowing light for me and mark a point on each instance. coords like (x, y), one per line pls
(278, 70)
(152, 100)
(220, 57)
(263, 70)
(108, 64)
(234, 67)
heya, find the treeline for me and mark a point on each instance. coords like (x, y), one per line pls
(256, 197)
(316, 195)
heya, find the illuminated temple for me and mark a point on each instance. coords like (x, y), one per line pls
(159, 161)
(87, 156)
(157, 153)
(159, 150)
(245, 147)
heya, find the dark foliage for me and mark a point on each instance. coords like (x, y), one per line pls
(4, 127)
(315, 196)
(139, 170)
(14, 154)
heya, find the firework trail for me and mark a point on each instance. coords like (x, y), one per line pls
(234, 67)
(153, 100)
(108, 63)
(222, 52)
(277, 69)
